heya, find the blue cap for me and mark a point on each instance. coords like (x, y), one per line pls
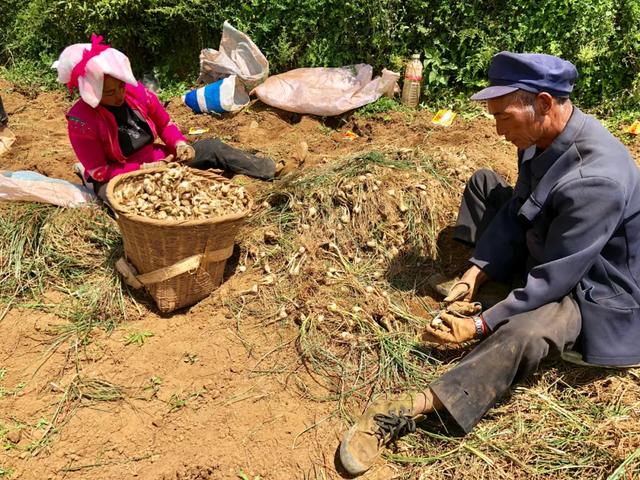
(533, 72)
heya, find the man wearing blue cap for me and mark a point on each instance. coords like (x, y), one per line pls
(570, 227)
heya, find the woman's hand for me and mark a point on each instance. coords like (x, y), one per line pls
(157, 163)
(184, 152)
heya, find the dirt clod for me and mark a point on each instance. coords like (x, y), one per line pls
(14, 436)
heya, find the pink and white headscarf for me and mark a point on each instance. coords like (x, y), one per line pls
(84, 65)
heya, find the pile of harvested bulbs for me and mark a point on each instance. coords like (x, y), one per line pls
(177, 193)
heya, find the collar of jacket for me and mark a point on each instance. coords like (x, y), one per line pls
(135, 97)
(552, 164)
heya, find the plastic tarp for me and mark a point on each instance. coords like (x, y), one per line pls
(326, 91)
(238, 55)
(27, 186)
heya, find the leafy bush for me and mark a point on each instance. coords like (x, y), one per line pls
(456, 39)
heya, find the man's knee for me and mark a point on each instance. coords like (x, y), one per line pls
(554, 326)
(522, 333)
(483, 178)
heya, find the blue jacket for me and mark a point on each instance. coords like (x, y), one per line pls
(576, 213)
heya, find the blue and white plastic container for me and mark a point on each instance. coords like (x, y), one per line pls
(226, 95)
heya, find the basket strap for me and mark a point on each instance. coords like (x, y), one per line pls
(185, 265)
(128, 272)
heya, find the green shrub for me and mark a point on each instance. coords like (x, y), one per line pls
(456, 39)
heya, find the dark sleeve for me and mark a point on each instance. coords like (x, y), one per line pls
(588, 212)
(501, 245)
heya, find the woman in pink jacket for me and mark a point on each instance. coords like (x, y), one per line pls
(115, 125)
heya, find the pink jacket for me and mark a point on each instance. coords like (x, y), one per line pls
(93, 133)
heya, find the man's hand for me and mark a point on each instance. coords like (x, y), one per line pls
(466, 288)
(184, 152)
(448, 328)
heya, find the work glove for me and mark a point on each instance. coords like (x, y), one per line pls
(459, 322)
(184, 152)
(460, 290)
(157, 163)
(466, 288)
(149, 165)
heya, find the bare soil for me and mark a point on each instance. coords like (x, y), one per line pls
(198, 404)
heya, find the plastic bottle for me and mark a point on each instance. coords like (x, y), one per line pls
(412, 81)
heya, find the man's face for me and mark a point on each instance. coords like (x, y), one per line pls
(112, 92)
(518, 124)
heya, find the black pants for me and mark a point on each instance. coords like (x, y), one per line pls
(483, 196)
(212, 153)
(4, 118)
(518, 346)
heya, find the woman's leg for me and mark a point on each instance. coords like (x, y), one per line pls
(212, 153)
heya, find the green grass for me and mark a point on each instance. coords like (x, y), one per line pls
(6, 472)
(382, 105)
(137, 338)
(245, 476)
(31, 77)
(326, 130)
(178, 401)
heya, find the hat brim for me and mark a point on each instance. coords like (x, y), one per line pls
(493, 92)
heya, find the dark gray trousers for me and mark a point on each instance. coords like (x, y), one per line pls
(213, 153)
(4, 118)
(517, 347)
(483, 196)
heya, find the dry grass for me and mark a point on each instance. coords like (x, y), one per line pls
(80, 391)
(565, 422)
(45, 248)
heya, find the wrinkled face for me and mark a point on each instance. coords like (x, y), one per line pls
(112, 92)
(517, 123)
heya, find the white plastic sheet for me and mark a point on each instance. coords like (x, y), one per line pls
(326, 91)
(26, 186)
(238, 55)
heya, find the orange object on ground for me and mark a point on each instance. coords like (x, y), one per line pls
(634, 128)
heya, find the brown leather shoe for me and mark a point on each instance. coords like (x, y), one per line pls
(384, 422)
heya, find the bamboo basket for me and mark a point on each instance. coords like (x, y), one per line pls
(178, 262)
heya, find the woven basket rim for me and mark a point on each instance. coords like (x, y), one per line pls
(115, 205)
